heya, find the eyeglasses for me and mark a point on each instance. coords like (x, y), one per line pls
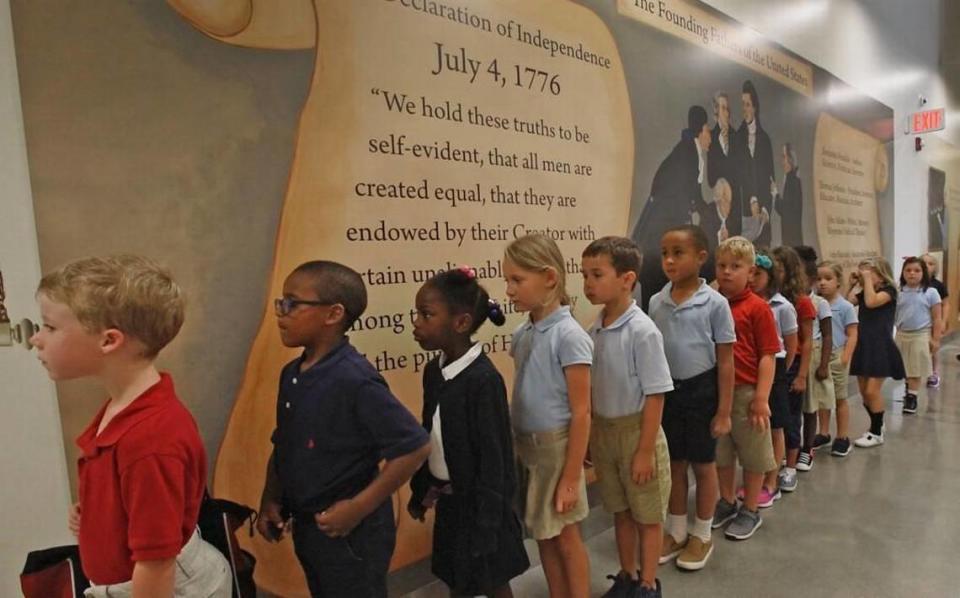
(285, 305)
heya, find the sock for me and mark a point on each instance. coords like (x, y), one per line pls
(701, 528)
(677, 526)
(876, 423)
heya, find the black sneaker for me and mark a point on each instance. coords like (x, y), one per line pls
(643, 592)
(841, 447)
(820, 441)
(623, 586)
(910, 404)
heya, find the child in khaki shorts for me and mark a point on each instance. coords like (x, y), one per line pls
(821, 393)
(629, 378)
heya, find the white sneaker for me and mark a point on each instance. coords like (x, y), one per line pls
(869, 440)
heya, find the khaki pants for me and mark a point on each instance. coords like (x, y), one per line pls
(541, 457)
(202, 572)
(754, 447)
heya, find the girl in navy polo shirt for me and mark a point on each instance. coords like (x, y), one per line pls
(470, 476)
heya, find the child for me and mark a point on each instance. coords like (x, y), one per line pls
(470, 476)
(875, 357)
(550, 410)
(796, 289)
(754, 365)
(933, 267)
(918, 326)
(765, 282)
(698, 338)
(143, 469)
(820, 391)
(336, 421)
(629, 378)
(845, 330)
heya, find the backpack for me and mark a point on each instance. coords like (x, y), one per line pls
(218, 522)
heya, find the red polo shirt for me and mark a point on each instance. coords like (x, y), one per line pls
(756, 335)
(805, 312)
(141, 482)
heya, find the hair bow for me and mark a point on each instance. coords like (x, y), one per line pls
(468, 271)
(764, 262)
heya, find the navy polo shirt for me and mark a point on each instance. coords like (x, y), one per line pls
(335, 422)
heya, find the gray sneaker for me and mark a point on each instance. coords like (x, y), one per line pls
(787, 480)
(723, 513)
(744, 526)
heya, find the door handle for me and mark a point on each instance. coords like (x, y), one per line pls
(14, 334)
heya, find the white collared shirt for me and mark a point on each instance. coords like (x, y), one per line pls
(436, 461)
(700, 161)
(752, 137)
(724, 141)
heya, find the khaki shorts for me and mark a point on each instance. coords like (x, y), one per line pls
(820, 393)
(613, 443)
(840, 374)
(201, 571)
(915, 351)
(752, 446)
(541, 457)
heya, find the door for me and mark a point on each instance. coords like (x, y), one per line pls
(35, 491)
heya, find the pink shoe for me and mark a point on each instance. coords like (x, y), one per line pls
(767, 498)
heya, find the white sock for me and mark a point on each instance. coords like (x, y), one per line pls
(677, 527)
(701, 528)
(790, 470)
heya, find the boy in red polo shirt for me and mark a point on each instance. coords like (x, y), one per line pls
(142, 471)
(753, 362)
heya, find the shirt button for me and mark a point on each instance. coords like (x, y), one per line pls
(288, 405)
(294, 380)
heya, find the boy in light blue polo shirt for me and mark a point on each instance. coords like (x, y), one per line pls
(629, 378)
(698, 334)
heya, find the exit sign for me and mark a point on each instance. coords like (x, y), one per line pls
(927, 121)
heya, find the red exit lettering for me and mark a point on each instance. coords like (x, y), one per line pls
(928, 120)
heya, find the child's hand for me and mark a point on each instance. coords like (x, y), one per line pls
(760, 414)
(566, 497)
(799, 385)
(642, 470)
(270, 522)
(417, 511)
(73, 520)
(339, 519)
(720, 426)
(823, 371)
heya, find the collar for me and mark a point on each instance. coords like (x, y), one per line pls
(152, 400)
(328, 361)
(777, 298)
(697, 298)
(619, 322)
(451, 371)
(700, 161)
(546, 323)
(745, 294)
(752, 127)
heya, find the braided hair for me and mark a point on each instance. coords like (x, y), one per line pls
(462, 293)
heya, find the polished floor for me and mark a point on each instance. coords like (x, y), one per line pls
(881, 522)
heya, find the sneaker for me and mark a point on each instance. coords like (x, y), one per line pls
(767, 498)
(642, 592)
(744, 526)
(869, 440)
(805, 461)
(671, 548)
(841, 447)
(933, 381)
(910, 404)
(723, 513)
(623, 586)
(787, 481)
(820, 441)
(695, 555)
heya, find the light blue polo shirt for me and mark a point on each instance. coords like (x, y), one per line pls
(628, 364)
(540, 352)
(692, 330)
(823, 312)
(785, 317)
(913, 308)
(843, 314)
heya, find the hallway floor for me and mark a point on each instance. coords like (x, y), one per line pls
(881, 522)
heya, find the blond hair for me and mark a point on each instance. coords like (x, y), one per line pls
(538, 253)
(881, 267)
(126, 292)
(936, 263)
(739, 247)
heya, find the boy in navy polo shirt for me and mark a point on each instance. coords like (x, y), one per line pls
(142, 471)
(336, 420)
